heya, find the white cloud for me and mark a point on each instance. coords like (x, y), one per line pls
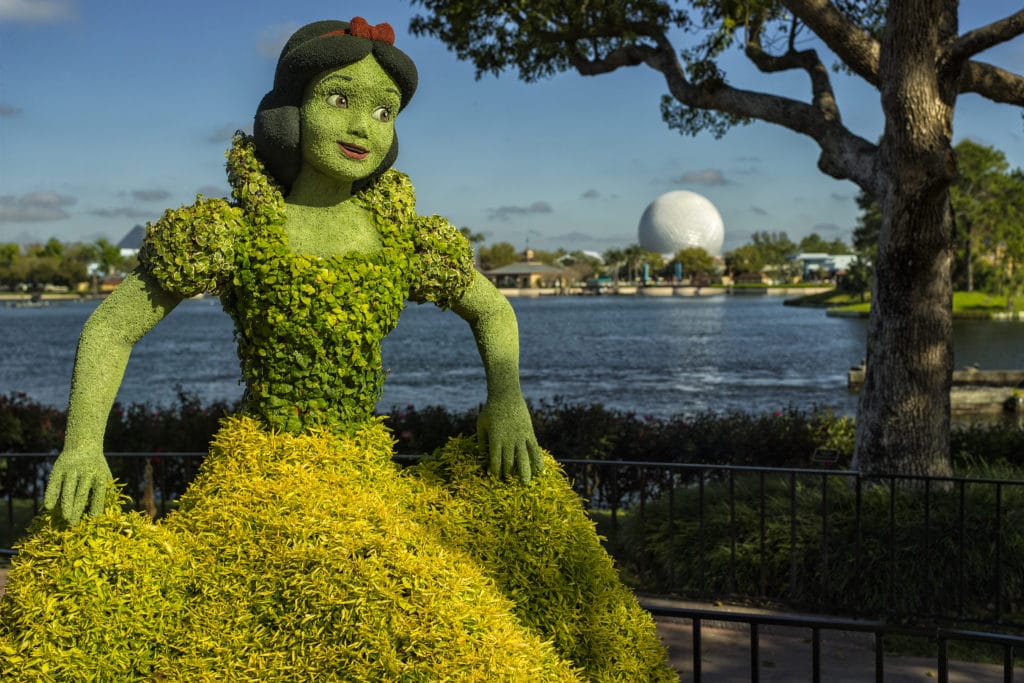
(214, 191)
(709, 176)
(34, 207)
(503, 213)
(36, 10)
(150, 195)
(124, 212)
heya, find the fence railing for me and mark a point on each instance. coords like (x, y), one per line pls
(155, 479)
(772, 535)
(816, 625)
(779, 535)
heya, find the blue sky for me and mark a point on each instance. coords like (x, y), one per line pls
(113, 110)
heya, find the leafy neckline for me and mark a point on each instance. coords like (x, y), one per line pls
(246, 171)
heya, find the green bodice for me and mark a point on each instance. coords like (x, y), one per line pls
(308, 329)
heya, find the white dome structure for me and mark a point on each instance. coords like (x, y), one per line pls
(680, 219)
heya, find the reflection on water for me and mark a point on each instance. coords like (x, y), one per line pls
(651, 356)
(656, 356)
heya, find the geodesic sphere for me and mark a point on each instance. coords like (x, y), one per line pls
(680, 219)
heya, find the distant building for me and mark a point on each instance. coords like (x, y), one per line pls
(526, 274)
(817, 266)
(132, 242)
(680, 219)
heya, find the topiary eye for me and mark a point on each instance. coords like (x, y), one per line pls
(338, 100)
(382, 114)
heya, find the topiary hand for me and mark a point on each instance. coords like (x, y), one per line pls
(80, 477)
(505, 435)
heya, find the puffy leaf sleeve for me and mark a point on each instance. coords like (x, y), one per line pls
(442, 265)
(191, 249)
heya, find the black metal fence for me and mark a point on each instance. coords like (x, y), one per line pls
(779, 537)
(797, 536)
(941, 637)
(156, 479)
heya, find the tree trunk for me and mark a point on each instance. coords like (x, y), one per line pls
(904, 413)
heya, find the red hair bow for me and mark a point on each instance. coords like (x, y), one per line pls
(360, 28)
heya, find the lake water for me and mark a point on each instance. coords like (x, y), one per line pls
(653, 356)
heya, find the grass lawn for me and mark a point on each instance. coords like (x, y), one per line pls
(965, 304)
(830, 299)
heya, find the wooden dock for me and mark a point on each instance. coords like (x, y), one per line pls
(974, 390)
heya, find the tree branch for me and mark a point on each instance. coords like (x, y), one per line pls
(851, 43)
(993, 83)
(981, 39)
(859, 51)
(629, 55)
(843, 155)
(808, 60)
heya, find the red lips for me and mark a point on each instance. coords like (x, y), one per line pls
(353, 151)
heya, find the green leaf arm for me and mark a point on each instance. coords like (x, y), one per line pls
(80, 476)
(504, 429)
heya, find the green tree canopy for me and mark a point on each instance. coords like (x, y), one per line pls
(744, 259)
(775, 249)
(108, 256)
(579, 266)
(497, 255)
(816, 244)
(614, 259)
(471, 237)
(977, 205)
(53, 248)
(869, 225)
(9, 253)
(986, 197)
(1008, 232)
(694, 261)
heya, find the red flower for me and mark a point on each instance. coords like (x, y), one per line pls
(361, 29)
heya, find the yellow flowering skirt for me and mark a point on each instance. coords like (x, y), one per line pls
(314, 557)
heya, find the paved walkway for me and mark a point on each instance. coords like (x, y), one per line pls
(785, 655)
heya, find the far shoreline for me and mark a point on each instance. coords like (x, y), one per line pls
(512, 293)
(665, 291)
(966, 305)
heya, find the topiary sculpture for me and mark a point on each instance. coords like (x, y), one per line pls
(301, 552)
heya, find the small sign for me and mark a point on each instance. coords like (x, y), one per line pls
(825, 456)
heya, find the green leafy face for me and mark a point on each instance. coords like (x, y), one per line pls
(348, 120)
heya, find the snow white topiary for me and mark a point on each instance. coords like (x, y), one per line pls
(301, 552)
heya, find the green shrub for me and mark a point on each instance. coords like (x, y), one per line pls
(784, 438)
(29, 427)
(423, 430)
(976, 444)
(665, 550)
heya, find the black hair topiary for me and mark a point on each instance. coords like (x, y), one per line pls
(312, 50)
